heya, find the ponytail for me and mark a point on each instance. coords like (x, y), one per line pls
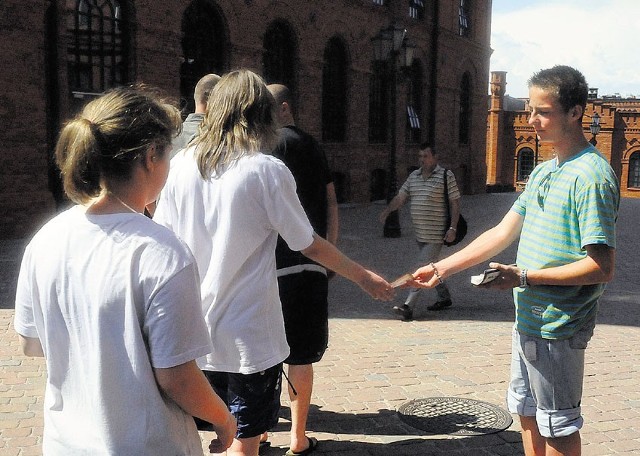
(111, 134)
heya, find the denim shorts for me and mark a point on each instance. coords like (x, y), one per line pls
(546, 380)
(254, 399)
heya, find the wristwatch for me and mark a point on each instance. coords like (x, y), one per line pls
(452, 228)
(524, 283)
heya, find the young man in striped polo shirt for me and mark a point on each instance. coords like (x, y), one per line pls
(424, 188)
(565, 220)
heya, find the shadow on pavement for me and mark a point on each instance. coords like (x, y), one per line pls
(403, 439)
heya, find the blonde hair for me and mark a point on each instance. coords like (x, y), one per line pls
(111, 133)
(240, 121)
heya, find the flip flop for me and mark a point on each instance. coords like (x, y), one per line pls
(313, 444)
(263, 446)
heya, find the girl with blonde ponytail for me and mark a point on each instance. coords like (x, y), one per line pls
(112, 300)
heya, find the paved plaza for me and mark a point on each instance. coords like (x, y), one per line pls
(376, 363)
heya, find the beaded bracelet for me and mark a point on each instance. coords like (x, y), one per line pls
(436, 273)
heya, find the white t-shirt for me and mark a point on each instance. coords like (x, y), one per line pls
(110, 297)
(231, 223)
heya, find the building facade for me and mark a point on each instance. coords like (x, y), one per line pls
(58, 54)
(513, 149)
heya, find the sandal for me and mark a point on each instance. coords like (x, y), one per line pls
(264, 445)
(313, 444)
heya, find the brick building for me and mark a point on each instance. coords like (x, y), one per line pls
(56, 55)
(513, 149)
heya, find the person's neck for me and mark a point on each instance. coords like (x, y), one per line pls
(427, 171)
(117, 201)
(571, 146)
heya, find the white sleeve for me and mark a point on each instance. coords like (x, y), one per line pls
(24, 321)
(285, 211)
(174, 324)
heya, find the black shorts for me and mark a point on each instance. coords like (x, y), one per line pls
(254, 399)
(306, 315)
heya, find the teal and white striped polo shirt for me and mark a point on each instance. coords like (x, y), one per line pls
(565, 208)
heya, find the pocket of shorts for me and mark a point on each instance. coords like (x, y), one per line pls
(581, 339)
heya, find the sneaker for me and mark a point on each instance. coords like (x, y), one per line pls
(439, 305)
(404, 311)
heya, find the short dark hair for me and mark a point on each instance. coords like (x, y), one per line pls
(567, 83)
(427, 145)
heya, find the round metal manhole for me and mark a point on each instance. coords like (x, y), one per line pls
(454, 415)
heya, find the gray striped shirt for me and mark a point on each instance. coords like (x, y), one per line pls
(428, 210)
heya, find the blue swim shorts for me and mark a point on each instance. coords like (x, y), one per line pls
(254, 399)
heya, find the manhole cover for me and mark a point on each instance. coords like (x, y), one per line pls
(454, 415)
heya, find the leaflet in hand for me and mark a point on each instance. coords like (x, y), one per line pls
(401, 280)
(487, 276)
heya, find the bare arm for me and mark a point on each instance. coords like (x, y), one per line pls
(187, 386)
(484, 247)
(596, 267)
(332, 214)
(393, 205)
(330, 257)
(454, 208)
(31, 346)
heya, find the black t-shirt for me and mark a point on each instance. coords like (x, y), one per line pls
(308, 164)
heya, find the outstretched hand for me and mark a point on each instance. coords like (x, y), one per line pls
(423, 277)
(377, 287)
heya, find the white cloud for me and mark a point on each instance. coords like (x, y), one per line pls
(597, 37)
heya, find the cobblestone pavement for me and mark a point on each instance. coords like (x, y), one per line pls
(375, 363)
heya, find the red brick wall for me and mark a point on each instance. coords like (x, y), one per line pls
(25, 199)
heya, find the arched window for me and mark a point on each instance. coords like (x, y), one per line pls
(98, 46)
(378, 107)
(278, 60)
(525, 163)
(634, 171)
(414, 104)
(334, 92)
(203, 48)
(465, 109)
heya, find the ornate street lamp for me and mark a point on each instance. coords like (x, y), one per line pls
(594, 127)
(390, 45)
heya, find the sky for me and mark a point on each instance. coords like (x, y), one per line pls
(598, 37)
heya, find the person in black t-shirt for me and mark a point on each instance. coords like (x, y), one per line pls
(303, 283)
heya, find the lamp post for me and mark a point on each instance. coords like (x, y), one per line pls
(594, 127)
(389, 45)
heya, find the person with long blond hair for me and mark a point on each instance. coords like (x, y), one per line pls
(112, 299)
(228, 199)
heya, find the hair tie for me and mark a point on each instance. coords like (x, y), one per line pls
(95, 131)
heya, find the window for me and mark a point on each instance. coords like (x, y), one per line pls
(634, 170)
(378, 2)
(334, 91)
(416, 9)
(378, 107)
(465, 110)
(97, 53)
(203, 45)
(414, 104)
(278, 60)
(525, 164)
(463, 17)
